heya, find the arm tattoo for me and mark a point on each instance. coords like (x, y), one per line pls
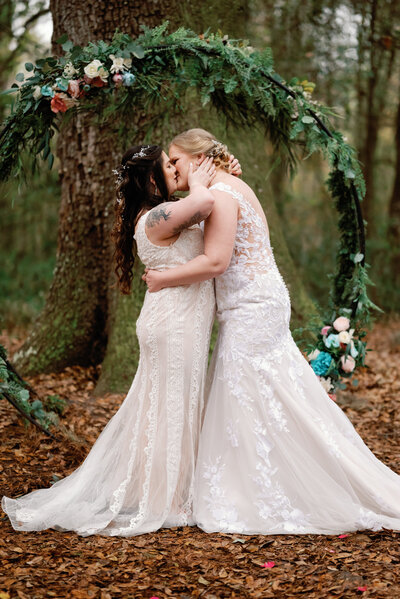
(156, 215)
(196, 218)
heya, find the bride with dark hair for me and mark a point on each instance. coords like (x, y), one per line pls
(139, 474)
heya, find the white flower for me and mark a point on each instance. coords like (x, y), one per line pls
(120, 63)
(96, 69)
(344, 337)
(37, 92)
(326, 383)
(313, 355)
(69, 70)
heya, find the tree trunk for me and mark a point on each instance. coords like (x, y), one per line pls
(72, 327)
(85, 319)
(380, 70)
(394, 210)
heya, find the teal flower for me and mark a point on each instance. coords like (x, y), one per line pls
(62, 84)
(47, 91)
(321, 363)
(129, 79)
(332, 340)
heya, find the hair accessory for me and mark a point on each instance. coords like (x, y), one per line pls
(142, 153)
(218, 148)
(118, 174)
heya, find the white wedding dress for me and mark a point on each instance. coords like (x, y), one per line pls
(276, 454)
(139, 474)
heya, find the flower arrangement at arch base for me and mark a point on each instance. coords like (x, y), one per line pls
(338, 351)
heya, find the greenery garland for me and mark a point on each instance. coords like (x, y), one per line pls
(155, 72)
(25, 399)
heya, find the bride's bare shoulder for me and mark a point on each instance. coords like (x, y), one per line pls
(241, 186)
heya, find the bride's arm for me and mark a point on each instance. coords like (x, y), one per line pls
(219, 238)
(165, 221)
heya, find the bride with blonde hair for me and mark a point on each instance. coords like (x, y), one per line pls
(276, 454)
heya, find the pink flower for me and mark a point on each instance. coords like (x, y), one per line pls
(325, 330)
(362, 589)
(342, 536)
(268, 565)
(118, 79)
(348, 363)
(333, 397)
(342, 323)
(73, 88)
(58, 103)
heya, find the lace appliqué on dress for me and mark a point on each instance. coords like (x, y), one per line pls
(222, 509)
(272, 503)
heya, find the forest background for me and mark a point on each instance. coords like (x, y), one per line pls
(55, 294)
(349, 49)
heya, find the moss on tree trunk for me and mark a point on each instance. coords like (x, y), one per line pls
(73, 326)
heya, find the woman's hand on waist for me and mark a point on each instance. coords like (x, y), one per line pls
(153, 280)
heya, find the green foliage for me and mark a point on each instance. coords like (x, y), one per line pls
(13, 388)
(237, 80)
(29, 217)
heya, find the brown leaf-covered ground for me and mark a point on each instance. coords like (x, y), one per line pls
(185, 562)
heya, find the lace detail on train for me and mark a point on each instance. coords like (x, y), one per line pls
(277, 455)
(139, 474)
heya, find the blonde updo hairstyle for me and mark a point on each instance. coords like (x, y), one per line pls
(200, 141)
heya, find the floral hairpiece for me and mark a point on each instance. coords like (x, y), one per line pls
(218, 148)
(141, 154)
(118, 174)
(123, 167)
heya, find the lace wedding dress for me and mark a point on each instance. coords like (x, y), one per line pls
(139, 474)
(276, 454)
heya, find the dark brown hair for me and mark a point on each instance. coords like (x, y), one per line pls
(135, 193)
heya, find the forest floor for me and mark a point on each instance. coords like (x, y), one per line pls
(186, 562)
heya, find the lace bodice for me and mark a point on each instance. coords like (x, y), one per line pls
(252, 259)
(252, 251)
(188, 245)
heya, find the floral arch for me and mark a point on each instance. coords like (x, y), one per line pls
(155, 71)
